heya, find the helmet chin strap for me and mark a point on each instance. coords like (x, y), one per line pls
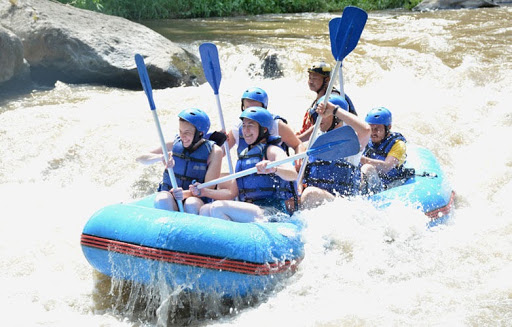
(262, 134)
(197, 137)
(324, 85)
(335, 122)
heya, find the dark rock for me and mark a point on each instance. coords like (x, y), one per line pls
(429, 5)
(271, 67)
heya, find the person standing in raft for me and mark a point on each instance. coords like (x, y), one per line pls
(325, 180)
(319, 76)
(262, 194)
(384, 157)
(192, 158)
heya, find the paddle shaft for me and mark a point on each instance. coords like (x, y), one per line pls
(223, 126)
(211, 68)
(146, 85)
(327, 146)
(342, 89)
(165, 154)
(251, 171)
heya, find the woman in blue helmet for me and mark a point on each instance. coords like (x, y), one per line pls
(384, 156)
(325, 180)
(257, 97)
(261, 194)
(193, 158)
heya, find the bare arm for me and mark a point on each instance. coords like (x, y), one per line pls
(231, 139)
(394, 158)
(214, 163)
(285, 171)
(304, 137)
(225, 191)
(382, 166)
(154, 155)
(361, 128)
(289, 137)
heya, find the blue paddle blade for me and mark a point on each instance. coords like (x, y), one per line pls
(346, 31)
(144, 80)
(336, 144)
(211, 65)
(334, 26)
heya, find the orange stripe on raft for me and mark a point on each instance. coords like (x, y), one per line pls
(186, 258)
(443, 211)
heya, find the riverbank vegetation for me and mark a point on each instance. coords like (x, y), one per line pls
(162, 9)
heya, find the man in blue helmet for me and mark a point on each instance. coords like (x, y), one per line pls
(383, 159)
(324, 180)
(262, 194)
(193, 158)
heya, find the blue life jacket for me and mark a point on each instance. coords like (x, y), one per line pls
(242, 144)
(336, 177)
(188, 166)
(256, 187)
(380, 152)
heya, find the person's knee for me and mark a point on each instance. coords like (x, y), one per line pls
(205, 210)
(312, 197)
(217, 210)
(370, 182)
(193, 205)
(368, 169)
(164, 201)
(306, 193)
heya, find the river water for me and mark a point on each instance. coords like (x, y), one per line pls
(68, 151)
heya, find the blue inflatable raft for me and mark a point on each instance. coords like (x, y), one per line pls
(136, 242)
(427, 190)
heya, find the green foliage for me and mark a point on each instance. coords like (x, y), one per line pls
(162, 9)
(94, 5)
(412, 3)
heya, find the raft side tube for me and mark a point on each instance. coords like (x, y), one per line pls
(428, 191)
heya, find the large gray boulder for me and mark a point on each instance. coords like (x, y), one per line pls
(12, 65)
(429, 5)
(64, 43)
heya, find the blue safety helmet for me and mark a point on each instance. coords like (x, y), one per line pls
(196, 117)
(256, 94)
(336, 100)
(379, 116)
(261, 115)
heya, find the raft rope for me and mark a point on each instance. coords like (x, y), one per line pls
(183, 258)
